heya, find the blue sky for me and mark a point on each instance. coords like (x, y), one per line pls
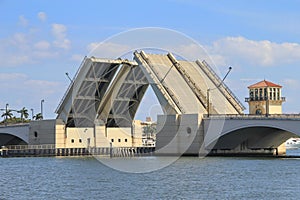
(41, 40)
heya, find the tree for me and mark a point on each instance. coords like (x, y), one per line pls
(38, 116)
(24, 113)
(7, 114)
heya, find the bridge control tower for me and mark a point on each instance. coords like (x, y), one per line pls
(265, 98)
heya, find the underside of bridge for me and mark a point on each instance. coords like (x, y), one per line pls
(254, 136)
(8, 139)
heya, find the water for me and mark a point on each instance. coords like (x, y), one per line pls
(187, 178)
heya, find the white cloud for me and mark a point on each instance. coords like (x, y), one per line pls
(45, 54)
(42, 45)
(44, 87)
(64, 44)
(28, 92)
(77, 57)
(42, 16)
(262, 53)
(59, 32)
(19, 40)
(19, 59)
(31, 45)
(4, 77)
(291, 83)
(108, 49)
(23, 21)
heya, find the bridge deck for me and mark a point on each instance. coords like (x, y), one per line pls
(254, 117)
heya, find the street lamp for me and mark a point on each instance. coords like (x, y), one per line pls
(208, 90)
(6, 106)
(31, 113)
(67, 74)
(42, 101)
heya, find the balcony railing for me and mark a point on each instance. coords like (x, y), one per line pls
(247, 99)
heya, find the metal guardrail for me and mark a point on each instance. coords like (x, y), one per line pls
(23, 147)
(249, 116)
(167, 92)
(225, 87)
(50, 150)
(191, 83)
(247, 99)
(13, 125)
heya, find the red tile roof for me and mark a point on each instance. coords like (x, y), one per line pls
(263, 84)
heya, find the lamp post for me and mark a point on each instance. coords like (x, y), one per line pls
(208, 90)
(6, 106)
(42, 101)
(67, 74)
(31, 113)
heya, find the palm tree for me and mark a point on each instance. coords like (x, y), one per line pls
(7, 113)
(38, 116)
(24, 113)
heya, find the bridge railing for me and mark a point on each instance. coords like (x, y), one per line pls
(22, 147)
(71, 84)
(221, 85)
(249, 116)
(13, 125)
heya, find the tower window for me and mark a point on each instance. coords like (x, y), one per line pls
(266, 93)
(256, 94)
(260, 94)
(251, 94)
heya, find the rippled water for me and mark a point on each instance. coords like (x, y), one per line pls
(187, 178)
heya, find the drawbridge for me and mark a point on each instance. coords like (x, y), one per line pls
(201, 114)
(109, 92)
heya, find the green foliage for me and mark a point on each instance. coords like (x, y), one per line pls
(24, 113)
(149, 129)
(38, 116)
(9, 118)
(14, 120)
(7, 114)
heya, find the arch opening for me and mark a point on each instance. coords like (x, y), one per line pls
(9, 139)
(252, 139)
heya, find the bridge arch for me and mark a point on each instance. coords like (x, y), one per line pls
(255, 133)
(14, 135)
(10, 139)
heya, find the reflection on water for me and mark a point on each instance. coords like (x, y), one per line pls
(187, 178)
